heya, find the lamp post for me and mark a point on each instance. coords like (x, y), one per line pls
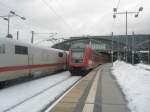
(7, 18)
(126, 14)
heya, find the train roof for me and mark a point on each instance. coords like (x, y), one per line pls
(18, 42)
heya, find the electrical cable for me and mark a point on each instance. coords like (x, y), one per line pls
(56, 14)
(118, 4)
(29, 24)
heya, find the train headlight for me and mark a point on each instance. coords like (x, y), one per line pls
(90, 62)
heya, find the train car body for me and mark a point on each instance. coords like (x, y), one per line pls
(18, 59)
(82, 58)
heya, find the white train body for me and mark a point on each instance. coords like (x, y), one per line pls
(18, 59)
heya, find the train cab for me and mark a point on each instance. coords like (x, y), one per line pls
(83, 58)
(79, 54)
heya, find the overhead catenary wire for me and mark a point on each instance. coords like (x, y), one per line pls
(118, 4)
(29, 24)
(137, 4)
(58, 15)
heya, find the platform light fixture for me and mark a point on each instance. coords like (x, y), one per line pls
(136, 15)
(115, 9)
(23, 18)
(126, 13)
(141, 9)
(7, 18)
(114, 16)
(12, 12)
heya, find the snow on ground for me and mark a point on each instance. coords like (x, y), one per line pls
(135, 83)
(144, 66)
(15, 94)
(37, 103)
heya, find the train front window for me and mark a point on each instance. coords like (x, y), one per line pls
(77, 49)
(77, 56)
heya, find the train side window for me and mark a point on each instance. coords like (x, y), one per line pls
(21, 50)
(60, 54)
(2, 48)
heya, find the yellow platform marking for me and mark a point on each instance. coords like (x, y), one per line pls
(89, 104)
(88, 108)
(71, 99)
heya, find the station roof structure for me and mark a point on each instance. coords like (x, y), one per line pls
(97, 41)
(106, 43)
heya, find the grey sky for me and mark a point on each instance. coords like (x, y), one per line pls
(74, 17)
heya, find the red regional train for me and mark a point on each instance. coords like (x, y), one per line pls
(83, 58)
(19, 59)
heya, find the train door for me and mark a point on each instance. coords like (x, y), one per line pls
(30, 62)
(30, 59)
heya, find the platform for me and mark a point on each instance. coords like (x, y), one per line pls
(96, 92)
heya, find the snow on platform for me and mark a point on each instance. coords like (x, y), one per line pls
(13, 95)
(135, 84)
(144, 66)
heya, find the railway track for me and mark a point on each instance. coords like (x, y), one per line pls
(23, 104)
(35, 95)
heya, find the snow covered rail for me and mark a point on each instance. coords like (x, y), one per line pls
(35, 95)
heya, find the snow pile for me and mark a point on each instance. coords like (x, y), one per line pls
(144, 66)
(135, 83)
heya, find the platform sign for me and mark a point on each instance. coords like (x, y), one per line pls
(99, 46)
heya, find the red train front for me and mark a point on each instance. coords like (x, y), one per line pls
(82, 57)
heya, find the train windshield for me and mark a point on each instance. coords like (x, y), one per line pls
(77, 49)
(77, 55)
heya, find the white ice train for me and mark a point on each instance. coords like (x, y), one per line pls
(18, 59)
